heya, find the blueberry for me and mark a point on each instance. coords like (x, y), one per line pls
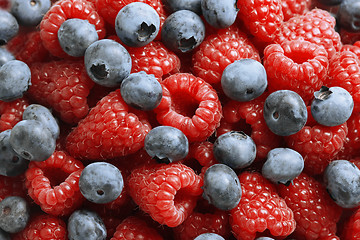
(244, 80)
(11, 164)
(101, 182)
(15, 80)
(348, 15)
(282, 165)
(107, 62)
(14, 214)
(141, 91)
(209, 236)
(330, 2)
(332, 106)
(30, 12)
(5, 56)
(183, 31)
(9, 26)
(42, 114)
(235, 149)
(137, 24)
(4, 235)
(84, 224)
(76, 35)
(166, 144)
(221, 187)
(219, 14)
(31, 140)
(176, 5)
(285, 112)
(342, 181)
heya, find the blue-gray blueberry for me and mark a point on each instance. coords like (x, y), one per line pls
(209, 236)
(176, 5)
(9, 26)
(5, 56)
(14, 214)
(348, 15)
(219, 14)
(29, 12)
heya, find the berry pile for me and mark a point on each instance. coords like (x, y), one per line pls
(179, 120)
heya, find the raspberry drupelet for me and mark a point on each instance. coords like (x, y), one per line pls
(189, 104)
(11, 112)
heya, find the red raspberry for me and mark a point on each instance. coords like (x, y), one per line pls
(316, 26)
(168, 192)
(291, 8)
(352, 143)
(135, 228)
(316, 214)
(4, 4)
(203, 153)
(317, 144)
(62, 85)
(219, 50)
(349, 37)
(28, 47)
(43, 227)
(54, 183)
(198, 223)
(11, 112)
(296, 65)
(59, 13)
(263, 18)
(344, 71)
(260, 208)
(109, 130)
(189, 104)
(352, 227)
(252, 113)
(12, 186)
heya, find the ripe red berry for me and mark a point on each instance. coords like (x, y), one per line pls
(11, 112)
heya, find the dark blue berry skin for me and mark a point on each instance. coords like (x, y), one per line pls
(285, 112)
(9, 26)
(4, 235)
(235, 149)
(101, 182)
(183, 31)
(348, 15)
(141, 91)
(244, 80)
(15, 80)
(209, 236)
(31, 140)
(282, 165)
(76, 35)
(107, 62)
(176, 5)
(332, 106)
(14, 214)
(40, 113)
(221, 187)
(5, 56)
(330, 2)
(29, 12)
(84, 224)
(11, 164)
(166, 144)
(342, 181)
(219, 14)
(137, 24)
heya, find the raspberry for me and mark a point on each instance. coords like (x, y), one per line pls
(189, 104)
(62, 85)
(59, 13)
(317, 144)
(352, 227)
(54, 183)
(203, 153)
(109, 130)
(263, 18)
(4, 4)
(296, 65)
(291, 8)
(12, 186)
(352, 143)
(260, 208)
(28, 47)
(11, 112)
(167, 192)
(44, 227)
(316, 214)
(344, 71)
(219, 50)
(135, 228)
(252, 113)
(316, 26)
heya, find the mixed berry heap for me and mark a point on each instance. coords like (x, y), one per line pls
(179, 119)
